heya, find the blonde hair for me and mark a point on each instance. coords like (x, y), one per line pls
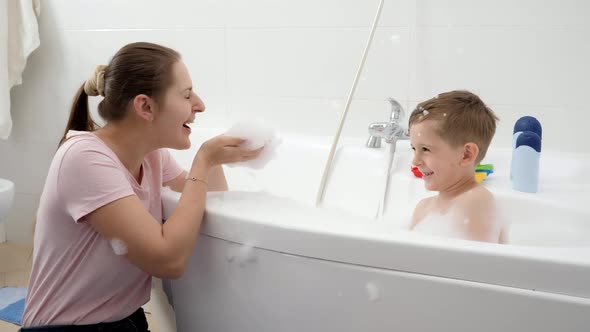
(463, 118)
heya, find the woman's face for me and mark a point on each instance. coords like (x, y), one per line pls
(177, 110)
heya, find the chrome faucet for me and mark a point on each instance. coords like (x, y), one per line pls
(390, 131)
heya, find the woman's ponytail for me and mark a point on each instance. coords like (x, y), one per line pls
(80, 118)
(137, 68)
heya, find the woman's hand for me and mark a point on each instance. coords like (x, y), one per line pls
(224, 150)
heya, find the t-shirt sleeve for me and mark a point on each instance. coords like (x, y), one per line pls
(170, 168)
(89, 178)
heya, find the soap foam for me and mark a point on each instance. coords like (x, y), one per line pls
(257, 134)
(372, 291)
(119, 247)
(438, 224)
(246, 254)
(230, 254)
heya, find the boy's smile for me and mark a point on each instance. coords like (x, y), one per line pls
(438, 162)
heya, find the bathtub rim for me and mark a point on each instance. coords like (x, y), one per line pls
(559, 270)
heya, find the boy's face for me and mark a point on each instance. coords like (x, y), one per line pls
(439, 162)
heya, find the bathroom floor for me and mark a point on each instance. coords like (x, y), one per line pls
(15, 268)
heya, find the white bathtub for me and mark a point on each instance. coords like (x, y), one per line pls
(269, 260)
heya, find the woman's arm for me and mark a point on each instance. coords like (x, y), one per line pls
(217, 181)
(163, 250)
(177, 184)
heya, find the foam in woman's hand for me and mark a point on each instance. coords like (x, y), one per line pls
(257, 134)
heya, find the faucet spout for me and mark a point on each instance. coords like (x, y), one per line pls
(390, 131)
(397, 133)
(397, 111)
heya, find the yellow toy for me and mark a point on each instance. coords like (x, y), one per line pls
(482, 171)
(480, 176)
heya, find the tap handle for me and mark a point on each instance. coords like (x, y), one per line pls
(397, 111)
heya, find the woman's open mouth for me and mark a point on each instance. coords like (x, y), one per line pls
(187, 127)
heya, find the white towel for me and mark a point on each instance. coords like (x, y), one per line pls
(19, 36)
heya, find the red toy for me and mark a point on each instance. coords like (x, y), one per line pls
(416, 172)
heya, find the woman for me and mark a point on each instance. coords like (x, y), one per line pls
(99, 236)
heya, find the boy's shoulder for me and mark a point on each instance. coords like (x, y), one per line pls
(478, 208)
(477, 195)
(477, 203)
(426, 203)
(421, 210)
(427, 200)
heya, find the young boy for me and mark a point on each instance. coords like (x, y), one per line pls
(450, 135)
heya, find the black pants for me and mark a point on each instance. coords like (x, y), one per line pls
(136, 322)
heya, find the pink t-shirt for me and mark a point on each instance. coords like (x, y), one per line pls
(76, 276)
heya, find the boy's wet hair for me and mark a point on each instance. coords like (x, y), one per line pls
(463, 118)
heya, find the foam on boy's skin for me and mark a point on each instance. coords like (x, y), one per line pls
(119, 247)
(452, 224)
(439, 224)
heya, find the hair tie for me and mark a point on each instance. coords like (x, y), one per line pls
(94, 85)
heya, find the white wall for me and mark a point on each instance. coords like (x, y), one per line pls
(292, 62)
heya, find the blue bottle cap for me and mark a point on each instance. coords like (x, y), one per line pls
(528, 123)
(529, 138)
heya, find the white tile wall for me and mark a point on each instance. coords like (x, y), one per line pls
(507, 65)
(201, 50)
(311, 13)
(28, 162)
(19, 227)
(293, 62)
(136, 14)
(477, 13)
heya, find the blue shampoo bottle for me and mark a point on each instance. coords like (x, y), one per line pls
(525, 123)
(525, 162)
